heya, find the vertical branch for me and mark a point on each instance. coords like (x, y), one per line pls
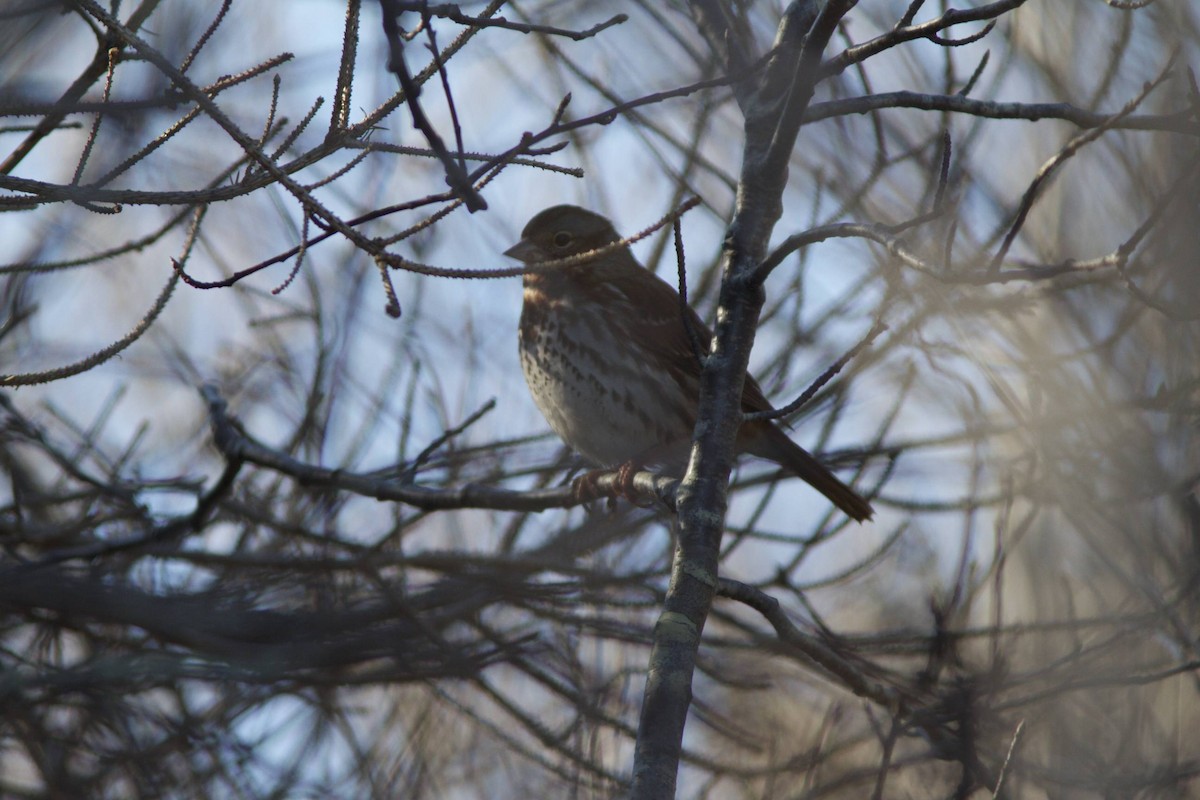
(345, 84)
(773, 112)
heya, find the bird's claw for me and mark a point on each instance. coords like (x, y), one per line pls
(586, 486)
(624, 481)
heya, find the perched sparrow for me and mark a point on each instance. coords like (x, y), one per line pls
(609, 362)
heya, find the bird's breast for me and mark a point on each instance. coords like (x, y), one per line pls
(598, 388)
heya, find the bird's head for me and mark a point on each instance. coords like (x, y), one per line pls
(561, 232)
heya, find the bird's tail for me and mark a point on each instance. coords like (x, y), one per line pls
(768, 441)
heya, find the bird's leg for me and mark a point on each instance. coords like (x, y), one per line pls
(586, 488)
(624, 481)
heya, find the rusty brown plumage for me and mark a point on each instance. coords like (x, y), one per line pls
(608, 360)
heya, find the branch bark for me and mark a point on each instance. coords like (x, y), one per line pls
(774, 113)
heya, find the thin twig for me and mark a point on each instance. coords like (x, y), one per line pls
(693, 335)
(825, 377)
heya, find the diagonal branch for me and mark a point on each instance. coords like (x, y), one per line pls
(456, 176)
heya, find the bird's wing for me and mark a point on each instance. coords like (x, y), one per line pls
(655, 310)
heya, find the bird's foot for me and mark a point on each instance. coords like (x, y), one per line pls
(624, 482)
(586, 489)
(586, 486)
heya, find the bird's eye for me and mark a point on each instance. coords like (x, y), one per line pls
(562, 239)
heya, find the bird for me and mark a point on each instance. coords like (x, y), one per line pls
(610, 364)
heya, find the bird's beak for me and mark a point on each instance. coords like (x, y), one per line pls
(525, 251)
